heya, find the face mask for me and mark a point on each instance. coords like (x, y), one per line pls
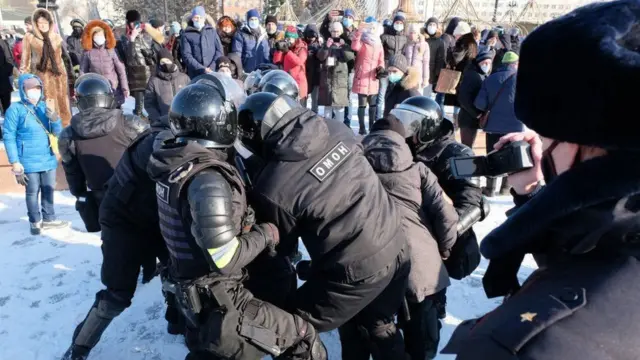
(347, 22)
(485, 68)
(34, 94)
(431, 29)
(398, 27)
(291, 42)
(175, 30)
(198, 24)
(394, 78)
(169, 68)
(77, 31)
(99, 40)
(225, 71)
(253, 24)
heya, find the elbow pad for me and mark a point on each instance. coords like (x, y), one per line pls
(473, 215)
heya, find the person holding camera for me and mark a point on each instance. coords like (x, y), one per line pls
(334, 75)
(583, 226)
(291, 54)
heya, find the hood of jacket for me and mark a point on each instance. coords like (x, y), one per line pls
(247, 30)
(87, 37)
(186, 19)
(45, 14)
(23, 94)
(303, 135)
(572, 216)
(155, 34)
(224, 37)
(453, 23)
(387, 151)
(95, 122)
(164, 160)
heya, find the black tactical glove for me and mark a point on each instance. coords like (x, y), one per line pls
(271, 235)
(303, 269)
(381, 73)
(249, 220)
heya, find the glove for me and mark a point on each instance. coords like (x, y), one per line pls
(381, 73)
(149, 269)
(21, 177)
(271, 235)
(329, 42)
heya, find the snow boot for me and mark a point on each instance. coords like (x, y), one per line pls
(363, 130)
(54, 224)
(76, 352)
(36, 228)
(373, 109)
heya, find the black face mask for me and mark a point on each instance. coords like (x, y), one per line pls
(169, 68)
(77, 31)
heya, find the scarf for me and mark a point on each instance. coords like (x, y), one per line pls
(47, 56)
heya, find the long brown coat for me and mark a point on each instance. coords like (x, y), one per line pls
(55, 87)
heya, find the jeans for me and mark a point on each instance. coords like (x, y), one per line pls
(384, 83)
(44, 181)
(347, 109)
(334, 112)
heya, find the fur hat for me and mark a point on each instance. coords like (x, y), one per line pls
(156, 23)
(400, 62)
(94, 26)
(271, 19)
(595, 95)
(133, 16)
(224, 61)
(253, 13)
(164, 53)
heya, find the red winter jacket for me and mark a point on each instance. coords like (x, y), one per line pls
(17, 52)
(294, 62)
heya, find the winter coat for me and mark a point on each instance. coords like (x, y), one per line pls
(393, 42)
(161, 90)
(369, 58)
(295, 62)
(176, 51)
(253, 50)
(502, 119)
(347, 36)
(401, 91)
(459, 58)
(428, 220)
(25, 140)
(334, 80)
(17, 52)
(347, 220)
(140, 59)
(467, 91)
(92, 146)
(448, 38)
(6, 70)
(103, 60)
(200, 49)
(418, 55)
(313, 64)
(584, 224)
(272, 40)
(226, 39)
(76, 48)
(436, 56)
(157, 44)
(56, 87)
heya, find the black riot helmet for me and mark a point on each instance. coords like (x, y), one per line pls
(280, 83)
(94, 91)
(420, 116)
(206, 111)
(250, 117)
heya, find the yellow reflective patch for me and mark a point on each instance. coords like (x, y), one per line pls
(222, 256)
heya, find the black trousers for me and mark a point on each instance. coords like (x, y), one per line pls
(364, 311)
(422, 331)
(139, 97)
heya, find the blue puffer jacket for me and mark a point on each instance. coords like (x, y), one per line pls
(502, 119)
(25, 140)
(253, 50)
(200, 49)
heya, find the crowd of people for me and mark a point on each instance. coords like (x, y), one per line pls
(223, 168)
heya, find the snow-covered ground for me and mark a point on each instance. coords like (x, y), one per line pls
(48, 284)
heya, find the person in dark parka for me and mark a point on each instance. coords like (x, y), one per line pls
(458, 58)
(164, 86)
(6, 72)
(429, 221)
(201, 46)
(139, 58)
(433, 35)
(394, 41)
(403, 82)
(333, 91)
(74, 42)
(582, 227)
(467, 91)
(448, 38)
(312, 38)
(251, 43)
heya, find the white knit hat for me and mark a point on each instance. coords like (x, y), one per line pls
(462, 29)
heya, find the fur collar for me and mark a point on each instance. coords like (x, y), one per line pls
(87, 37)
(55, 38)
(411, 79)
(156, 35)
(581, 207)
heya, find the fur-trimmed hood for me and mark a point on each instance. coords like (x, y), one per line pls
(156, 35)
(412, 79)
(87, 35)
(53, 36)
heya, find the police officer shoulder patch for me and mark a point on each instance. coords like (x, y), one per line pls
(162, 192)
(330, 161)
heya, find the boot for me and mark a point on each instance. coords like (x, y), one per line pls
(373, 109)
(54, 224)
(36, 228)
(76, 352)
(362, 131)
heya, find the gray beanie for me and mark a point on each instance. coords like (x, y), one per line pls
(400, 62)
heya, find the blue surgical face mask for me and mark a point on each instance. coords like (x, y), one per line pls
(395, 77)
(175, 29)
(347, 22)
(254, 24)
(398, 27)
(34, 94)
(198, 24)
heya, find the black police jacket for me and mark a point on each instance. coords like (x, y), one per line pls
(584, 230)
(317, 185)
(92, 146)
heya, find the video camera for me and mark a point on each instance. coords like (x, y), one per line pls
(511, 158)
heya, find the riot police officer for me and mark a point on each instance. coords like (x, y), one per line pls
(434, 144)
(279, 82)
(203, 219)
(131, 238)
(317, 185)
(94, 143)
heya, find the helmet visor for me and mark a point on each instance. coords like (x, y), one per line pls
(411, 120)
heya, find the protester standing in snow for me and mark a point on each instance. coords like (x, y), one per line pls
(334, 76)
(314, 43)
(468, 89)
(201, 45)
(29, 129)
(292, 54)
(436, 53)
(394, 41)
(163, 87)
(404, 82)
(251, 43)
(418, 55)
